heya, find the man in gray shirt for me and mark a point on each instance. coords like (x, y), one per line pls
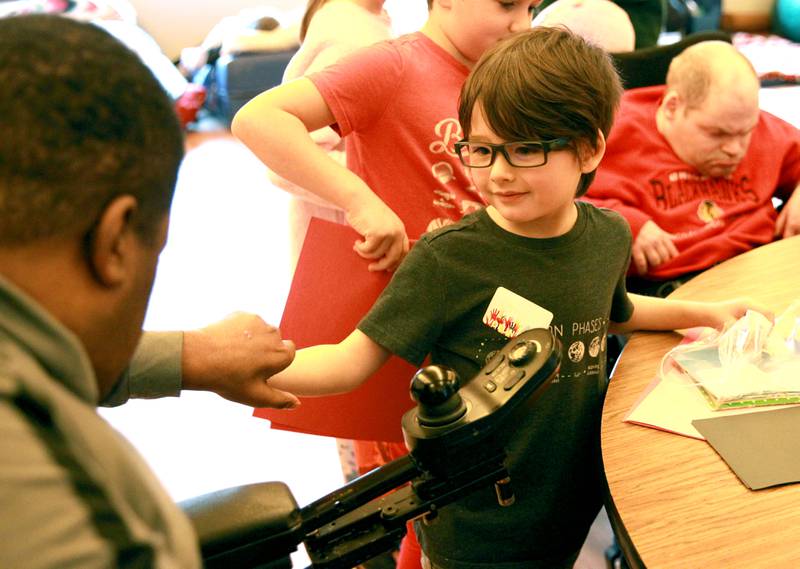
(89, 154)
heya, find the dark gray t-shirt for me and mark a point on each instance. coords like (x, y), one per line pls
(436, 304)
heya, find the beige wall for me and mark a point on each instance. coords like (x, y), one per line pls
(176, 24)
(745, 6)
(747, 15)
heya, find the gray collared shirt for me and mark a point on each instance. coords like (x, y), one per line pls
(73, 491)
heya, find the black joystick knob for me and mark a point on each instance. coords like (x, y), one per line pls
(435, 389)
(522, 352)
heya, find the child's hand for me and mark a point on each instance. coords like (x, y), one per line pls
(384, 234)
(721, 314)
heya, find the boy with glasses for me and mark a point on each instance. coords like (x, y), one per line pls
(394, 104)
(535, 111)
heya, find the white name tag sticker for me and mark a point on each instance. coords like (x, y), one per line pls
(511, 314)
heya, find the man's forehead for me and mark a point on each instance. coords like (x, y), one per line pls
(716, 118)
(727, 106)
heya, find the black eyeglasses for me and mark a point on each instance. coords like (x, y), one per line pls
(522, 154)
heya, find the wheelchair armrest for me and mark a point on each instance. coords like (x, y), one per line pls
(246, 526)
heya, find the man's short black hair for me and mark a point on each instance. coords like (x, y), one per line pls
(82, 121)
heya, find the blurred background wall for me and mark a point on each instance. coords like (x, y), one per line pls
(183, 23)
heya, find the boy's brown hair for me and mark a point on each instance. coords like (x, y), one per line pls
(542, 84)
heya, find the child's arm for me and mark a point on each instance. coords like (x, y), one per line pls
(651, 313)
(332, 368)
(275, 126)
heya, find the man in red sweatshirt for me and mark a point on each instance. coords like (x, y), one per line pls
(694, 166)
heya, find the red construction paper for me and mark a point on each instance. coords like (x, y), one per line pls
(330, 293)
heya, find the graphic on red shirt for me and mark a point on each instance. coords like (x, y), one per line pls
(708, 211)
(683, 187)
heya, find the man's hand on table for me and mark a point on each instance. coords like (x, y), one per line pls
(652, 247)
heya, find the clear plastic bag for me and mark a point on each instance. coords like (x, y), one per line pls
(784, 340)
(744, 341)
(752, 362)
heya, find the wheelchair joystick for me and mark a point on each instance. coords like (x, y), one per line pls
(435, 389)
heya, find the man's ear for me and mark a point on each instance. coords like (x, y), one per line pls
(671, 104)
(111, 243)
(590, 157)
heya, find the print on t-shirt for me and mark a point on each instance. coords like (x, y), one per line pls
(583, 345)
(446, 133)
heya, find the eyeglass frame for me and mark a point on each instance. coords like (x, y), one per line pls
(547, 147)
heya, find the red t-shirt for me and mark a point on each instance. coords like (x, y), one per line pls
(396, 105)
(713, 218)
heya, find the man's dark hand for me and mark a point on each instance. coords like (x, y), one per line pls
(235, 357)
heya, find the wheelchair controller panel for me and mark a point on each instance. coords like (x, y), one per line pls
(449, 417)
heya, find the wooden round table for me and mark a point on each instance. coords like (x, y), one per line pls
(673, 501)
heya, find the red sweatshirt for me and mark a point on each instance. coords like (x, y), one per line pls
(713, 218)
